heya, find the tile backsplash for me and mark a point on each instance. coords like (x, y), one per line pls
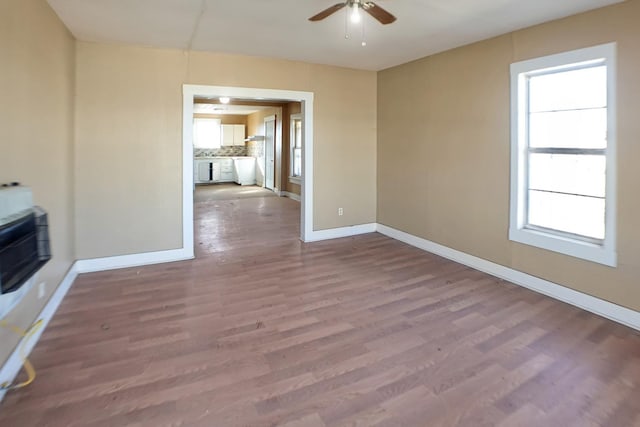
(235, 150)
(255, 148)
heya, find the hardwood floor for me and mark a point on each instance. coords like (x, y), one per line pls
(263, 330)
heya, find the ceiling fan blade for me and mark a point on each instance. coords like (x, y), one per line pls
(379, 13)
(329, 11)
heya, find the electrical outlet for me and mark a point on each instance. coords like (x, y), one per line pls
(340, 211)
(42, 289)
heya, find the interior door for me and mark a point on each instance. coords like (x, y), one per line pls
(269, 151)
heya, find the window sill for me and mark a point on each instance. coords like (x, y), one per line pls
(295, 180)
(601, 254)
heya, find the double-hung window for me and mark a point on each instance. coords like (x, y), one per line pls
(563, 153)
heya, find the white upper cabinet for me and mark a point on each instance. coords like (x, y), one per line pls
(233, 135)
(227, 135)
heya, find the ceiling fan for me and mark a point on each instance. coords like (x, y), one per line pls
(370, 7)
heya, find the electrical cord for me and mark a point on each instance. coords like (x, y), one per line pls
(28, 367)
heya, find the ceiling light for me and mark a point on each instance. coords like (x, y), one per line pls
(355, 13)
(225, 99)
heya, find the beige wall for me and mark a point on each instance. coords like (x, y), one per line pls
(443, 149)
(128, 140)
(36, 133)
(255, 121)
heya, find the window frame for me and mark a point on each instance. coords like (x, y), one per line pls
(295, 179)
(595, 250)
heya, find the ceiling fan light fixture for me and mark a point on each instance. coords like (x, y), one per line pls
(355, 13)
(354, 6)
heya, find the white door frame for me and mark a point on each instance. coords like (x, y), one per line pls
(189, 92)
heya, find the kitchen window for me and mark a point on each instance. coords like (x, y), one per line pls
(563, 153)
(206, 133)
(296, 148)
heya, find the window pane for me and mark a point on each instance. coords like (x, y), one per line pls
(568, 173)
(297, 162)
(572, 214)
(567, 90)
(298, 134)
(206, 133)
(569, 129)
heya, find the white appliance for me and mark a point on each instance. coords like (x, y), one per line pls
(244, 170)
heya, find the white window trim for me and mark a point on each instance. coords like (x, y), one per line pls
(604, 253)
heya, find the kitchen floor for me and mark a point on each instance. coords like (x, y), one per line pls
(229, 191)
(248, 218)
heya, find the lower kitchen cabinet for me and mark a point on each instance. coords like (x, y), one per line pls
(226, 170)
(213, 170)
(206, 171)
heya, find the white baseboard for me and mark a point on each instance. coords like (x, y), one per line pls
(595, 305)
(133, 260)
(290, 195)
(13, 365)
(336, 233)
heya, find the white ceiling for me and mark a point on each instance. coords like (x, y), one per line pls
(280, 29)
(241, 110)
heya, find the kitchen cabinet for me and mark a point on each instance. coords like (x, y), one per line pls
(232, 135)
(226, 170)
(213, 169)
(207, 170)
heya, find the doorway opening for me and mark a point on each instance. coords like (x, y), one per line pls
(253, 136)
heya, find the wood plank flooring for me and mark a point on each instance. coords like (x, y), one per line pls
(263, 330)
